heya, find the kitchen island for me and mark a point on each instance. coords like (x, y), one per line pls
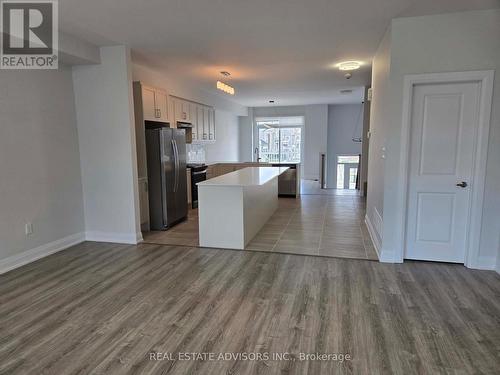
(288, 182)
(233, 207)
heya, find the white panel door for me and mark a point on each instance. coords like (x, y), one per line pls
(443, 129)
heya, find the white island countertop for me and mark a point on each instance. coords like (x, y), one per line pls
(251, 176)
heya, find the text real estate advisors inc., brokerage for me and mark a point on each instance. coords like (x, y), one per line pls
(248, 356)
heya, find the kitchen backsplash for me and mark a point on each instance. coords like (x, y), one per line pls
(195, 153)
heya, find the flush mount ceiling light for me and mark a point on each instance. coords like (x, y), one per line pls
(223, 86)
(349, 65)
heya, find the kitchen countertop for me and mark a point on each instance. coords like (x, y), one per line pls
(245, 162)
(251, 176)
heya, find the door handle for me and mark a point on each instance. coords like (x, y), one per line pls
(175, 164)
(462, 184)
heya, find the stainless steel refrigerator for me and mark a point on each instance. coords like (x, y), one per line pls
(167, 184)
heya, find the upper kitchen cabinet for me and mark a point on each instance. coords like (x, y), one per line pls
(161, 98)
(205, 123)
(181, 109)
(148, 103)
(200, 116)
(211, 124)
(200, 123)
(193, 111)
(153, 101)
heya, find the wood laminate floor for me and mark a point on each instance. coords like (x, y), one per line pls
(104, 308)
(321, 225)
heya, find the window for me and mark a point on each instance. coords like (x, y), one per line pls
(280, 139)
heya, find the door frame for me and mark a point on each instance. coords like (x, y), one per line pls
(485, 79)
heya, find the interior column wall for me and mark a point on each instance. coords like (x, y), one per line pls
(105, 117)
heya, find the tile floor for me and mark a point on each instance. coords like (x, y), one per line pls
(323, 225)
(312, 187)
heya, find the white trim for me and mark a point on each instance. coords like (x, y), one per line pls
(125, 238)
(373, 235)
(383, 256)
(39, 252)
(485, 263)
(485, 78)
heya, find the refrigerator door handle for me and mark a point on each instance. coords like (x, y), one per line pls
(178, 166)
(174, 148)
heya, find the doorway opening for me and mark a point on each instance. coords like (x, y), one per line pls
(348, 172)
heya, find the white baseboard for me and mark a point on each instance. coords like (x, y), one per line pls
(125, 238)
(484, 263)
(388, 257)
(373, 235)
(39, 252)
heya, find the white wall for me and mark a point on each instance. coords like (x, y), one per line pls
(379, 121)
(314, 135)
(315, 139)
(440, 43)
(365, 146)
(227, 145)
(39, 165)
(345, 121)
(246, 146)
(104, 109)
(74, 51)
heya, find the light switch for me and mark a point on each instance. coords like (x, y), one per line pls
(28, 229)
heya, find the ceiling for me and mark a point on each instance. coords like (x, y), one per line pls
(282, 50)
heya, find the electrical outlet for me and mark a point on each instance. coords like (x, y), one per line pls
(28, 229)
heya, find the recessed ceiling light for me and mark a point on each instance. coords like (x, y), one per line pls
(349, 65)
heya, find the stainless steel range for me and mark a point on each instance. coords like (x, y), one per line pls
(198, 174)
